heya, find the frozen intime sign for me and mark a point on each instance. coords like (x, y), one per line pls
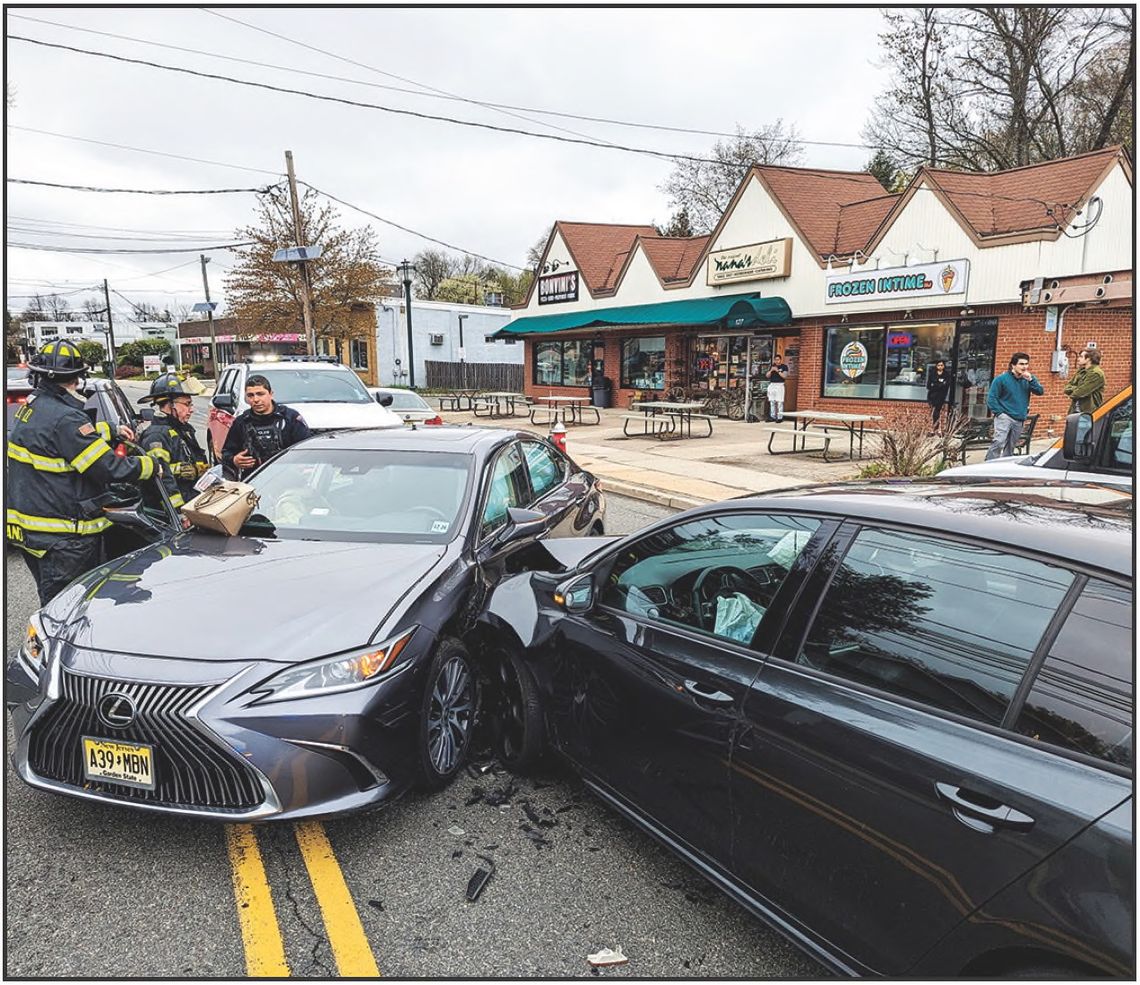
(928, 280)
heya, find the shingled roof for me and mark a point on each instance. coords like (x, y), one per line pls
(600, 250)
(673, 258)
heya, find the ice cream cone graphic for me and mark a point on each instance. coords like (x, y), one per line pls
(948, 275)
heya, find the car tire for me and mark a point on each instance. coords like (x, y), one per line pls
(447, 715)
(520, 732)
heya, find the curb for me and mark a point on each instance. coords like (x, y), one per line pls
(648, 495)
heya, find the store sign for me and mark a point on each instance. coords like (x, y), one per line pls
(558, 288)
(899, 340)
(152, 364)
(853, 360)
(902, 283)
(261, 337)
(760, 261)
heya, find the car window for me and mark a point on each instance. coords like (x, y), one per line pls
(228, 379)
(1118, 447)
(1082, 698)
(545, 466)
(122, 407)
(949, 624)
(717, 574)
(508, 488)
(298, 385)
(407, 400)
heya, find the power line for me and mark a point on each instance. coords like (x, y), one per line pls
(436, 94)
(413, 232)
(116, 229)
(143, 191)
(39, 231)
(143, 150)
(363, 105)
(189, 249)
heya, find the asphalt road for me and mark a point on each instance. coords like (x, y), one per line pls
(94, 891)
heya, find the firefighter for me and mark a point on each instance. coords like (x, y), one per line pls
(59, 467)
(171, 437)
(259, 433)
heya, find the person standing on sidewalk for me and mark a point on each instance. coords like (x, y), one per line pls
(776, 377)
(1086, 388)
(937, 390)
(1008, 401)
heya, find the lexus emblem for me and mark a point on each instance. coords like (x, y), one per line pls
(116, 710)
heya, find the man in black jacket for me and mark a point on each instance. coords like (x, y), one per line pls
(60, 464)
(259, 433)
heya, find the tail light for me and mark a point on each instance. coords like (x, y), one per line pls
(434, 420)
(15, 400)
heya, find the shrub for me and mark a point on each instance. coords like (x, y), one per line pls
(126, 371)
(197, 370)
(906, 448)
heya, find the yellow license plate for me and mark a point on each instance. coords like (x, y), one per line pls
(128, 763)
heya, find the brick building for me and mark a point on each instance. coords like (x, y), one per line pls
(859, 291)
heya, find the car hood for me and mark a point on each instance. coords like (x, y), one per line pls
(206, 597)
(1020, 467)
(327, 417)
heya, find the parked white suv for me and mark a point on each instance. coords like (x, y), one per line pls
(327, 394)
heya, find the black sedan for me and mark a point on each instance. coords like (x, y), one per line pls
(895, 721)
(316, 664)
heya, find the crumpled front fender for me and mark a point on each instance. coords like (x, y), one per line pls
(521, 609)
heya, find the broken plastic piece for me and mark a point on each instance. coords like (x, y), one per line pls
(480, 879)
(456, 831)
(606, 957)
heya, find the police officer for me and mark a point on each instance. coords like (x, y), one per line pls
(59, 467)
(259, 433)
(171, 437)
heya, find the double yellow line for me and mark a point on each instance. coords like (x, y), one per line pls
(260, 932)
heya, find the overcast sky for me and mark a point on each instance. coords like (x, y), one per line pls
(486, 192)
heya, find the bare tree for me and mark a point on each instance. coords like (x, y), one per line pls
(432, 268)
(704, 189)
(988, 88)
(534, 254)
(57, 308)
(93, 310)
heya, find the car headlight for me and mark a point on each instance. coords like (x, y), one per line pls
(32, 649)
(332, 674)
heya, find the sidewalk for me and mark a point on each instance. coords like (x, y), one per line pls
(682, 473)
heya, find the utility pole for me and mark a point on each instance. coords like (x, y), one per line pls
(110, 326)
(462, 356)
(306, 288)
(210, 317)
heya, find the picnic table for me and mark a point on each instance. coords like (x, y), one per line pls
(497, 403)
(825, 420)
(457, 398)
(679, 415)
(568, 408)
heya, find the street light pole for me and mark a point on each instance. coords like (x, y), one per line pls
(462, 355)
(406, 269)
(210, 317)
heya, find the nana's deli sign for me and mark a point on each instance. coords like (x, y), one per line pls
(760, 261)
(902, 283)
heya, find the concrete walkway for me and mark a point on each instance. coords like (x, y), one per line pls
(688, 472)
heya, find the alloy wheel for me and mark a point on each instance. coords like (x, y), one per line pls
(449, 715)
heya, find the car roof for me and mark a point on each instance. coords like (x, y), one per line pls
(458, 438)
(263, 364)
(1083, 522)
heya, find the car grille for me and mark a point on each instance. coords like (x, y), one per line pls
(190, 769)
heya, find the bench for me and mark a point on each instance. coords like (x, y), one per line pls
(707, 418)
(658, 426)
(980, 434)
(800, 441)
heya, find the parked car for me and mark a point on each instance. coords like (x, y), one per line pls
(894, 720)
(408, 405)
(1106, 455)
(328, 394)
(326, 667)
(104, 400)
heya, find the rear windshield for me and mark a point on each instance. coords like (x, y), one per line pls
(407, 400)
(314, 386)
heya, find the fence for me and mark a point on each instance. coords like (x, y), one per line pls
(477, 376)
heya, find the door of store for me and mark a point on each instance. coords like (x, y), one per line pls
(974, 349)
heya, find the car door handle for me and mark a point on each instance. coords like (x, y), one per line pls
(716, 697)
(999, 816)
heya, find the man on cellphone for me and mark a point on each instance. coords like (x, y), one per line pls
(261, 432)
(1008, 401)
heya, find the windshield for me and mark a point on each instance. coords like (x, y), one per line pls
(13, 373)
(407, 400)
(375, 495)
(313, 386)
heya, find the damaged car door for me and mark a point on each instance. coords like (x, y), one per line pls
(652, 663)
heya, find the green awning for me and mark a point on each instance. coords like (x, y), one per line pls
(724, 311)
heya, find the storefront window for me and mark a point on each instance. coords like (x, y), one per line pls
(358, 349)
(562, 363)
(912, 350)
(853, 362)
(643, 363)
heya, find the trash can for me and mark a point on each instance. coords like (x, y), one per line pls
(601, 392)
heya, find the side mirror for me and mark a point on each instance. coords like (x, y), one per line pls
(1078, 445)
(576, 595)
(224, 401)
(521, 525)
(146, 414)
(384, 399)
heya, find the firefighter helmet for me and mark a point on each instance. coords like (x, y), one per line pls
(58, 359)
(166, 387)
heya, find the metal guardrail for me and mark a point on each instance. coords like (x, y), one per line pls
(473, 376)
